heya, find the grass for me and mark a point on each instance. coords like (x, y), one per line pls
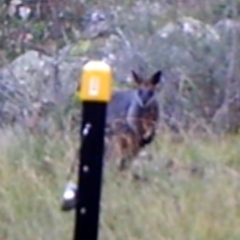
(192, 192)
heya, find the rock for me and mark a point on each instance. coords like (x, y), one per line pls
(98, 23)
(226, 118)
(189, 27)
(32, 77)
(225, 26)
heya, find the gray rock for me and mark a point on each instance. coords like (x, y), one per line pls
(33, 77)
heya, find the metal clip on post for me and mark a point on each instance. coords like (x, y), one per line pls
(86, 129)
(69, 197)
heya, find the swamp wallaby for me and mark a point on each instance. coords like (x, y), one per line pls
(132, 118)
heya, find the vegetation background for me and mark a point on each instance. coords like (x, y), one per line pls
(192, 190)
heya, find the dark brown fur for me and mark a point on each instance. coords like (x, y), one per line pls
(127, 135)
(143, 115)
(122, 143)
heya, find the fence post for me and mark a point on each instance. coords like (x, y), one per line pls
(95, 93)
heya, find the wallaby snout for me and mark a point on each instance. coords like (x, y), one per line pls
(145, 95)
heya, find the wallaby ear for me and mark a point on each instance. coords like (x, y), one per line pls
(156, 77)
(136, 78)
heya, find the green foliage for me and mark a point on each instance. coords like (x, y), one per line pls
(81, 48)
(38, 31)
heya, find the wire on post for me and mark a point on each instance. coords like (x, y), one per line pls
(69, 194)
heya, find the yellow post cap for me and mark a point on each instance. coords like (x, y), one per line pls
(96, 82)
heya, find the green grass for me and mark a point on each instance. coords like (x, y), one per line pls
(195, 198)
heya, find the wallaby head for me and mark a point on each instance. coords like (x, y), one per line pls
(146, 88)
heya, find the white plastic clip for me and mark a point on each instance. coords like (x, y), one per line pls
(86, 129)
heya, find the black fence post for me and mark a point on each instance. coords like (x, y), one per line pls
(94, 92)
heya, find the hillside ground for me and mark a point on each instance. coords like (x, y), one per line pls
(191, 192)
